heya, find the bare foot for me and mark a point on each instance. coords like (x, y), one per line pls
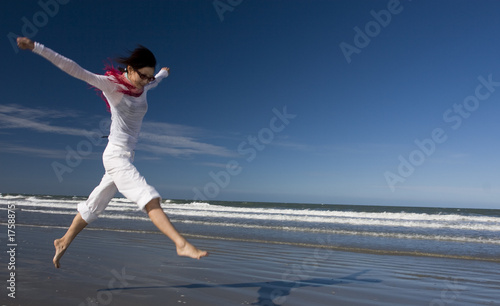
(60, 249)
(190, 250)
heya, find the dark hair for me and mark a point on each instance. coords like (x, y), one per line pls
(139, 58)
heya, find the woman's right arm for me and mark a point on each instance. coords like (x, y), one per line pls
(67, 65)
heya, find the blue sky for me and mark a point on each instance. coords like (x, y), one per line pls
(288, 101)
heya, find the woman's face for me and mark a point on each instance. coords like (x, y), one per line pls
(141, 77)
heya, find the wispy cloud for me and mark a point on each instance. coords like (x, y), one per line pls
(177, 140)
(214, 165)
(39, 152)
(12, 122)
(158, 138)
(26, 112)
(164, 128)
(15, 116)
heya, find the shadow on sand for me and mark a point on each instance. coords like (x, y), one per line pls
(273, 291)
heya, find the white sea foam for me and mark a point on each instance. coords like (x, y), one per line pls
(431, 236)
(471, 234)
(409, 220)
(382, 224)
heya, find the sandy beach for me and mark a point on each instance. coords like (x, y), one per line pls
(129, 268)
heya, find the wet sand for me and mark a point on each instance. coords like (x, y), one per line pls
(128, 268)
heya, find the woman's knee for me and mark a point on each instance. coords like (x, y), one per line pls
(153, 204)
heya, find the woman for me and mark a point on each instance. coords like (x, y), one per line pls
(125, 93)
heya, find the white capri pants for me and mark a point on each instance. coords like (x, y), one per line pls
(121, 175)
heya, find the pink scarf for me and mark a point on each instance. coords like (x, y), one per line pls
(118, 77)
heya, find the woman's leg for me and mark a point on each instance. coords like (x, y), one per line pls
(88, 211)
(63, 243)
(160, 219)
(134, 187)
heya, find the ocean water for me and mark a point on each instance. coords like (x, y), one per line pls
(444, 232)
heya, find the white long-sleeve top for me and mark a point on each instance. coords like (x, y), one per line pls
(127, 111)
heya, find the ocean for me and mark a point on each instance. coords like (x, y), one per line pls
(420, 231)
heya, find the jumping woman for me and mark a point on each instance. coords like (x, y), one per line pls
(125, 93)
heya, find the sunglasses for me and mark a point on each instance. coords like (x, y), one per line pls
(145, 77)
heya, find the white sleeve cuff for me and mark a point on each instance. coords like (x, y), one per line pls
(38, 48)
(162, 74)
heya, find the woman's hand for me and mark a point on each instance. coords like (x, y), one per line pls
(166, 69)
(25, 43)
